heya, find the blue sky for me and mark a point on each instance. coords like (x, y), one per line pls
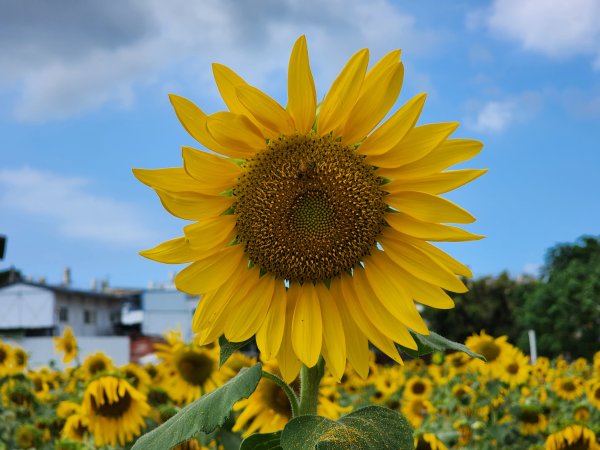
(83, 99)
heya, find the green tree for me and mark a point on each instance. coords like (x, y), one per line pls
(564, 309)
(489, 305)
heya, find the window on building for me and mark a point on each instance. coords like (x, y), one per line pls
(63, 314)
(89, 316)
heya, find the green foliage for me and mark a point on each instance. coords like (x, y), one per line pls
(436, 343)
(204, 415)
(370, 428)
(564, 310)
(265, 441)
(229, 348)
(491, 304)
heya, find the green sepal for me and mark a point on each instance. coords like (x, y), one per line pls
(264, 441)
(370, 428)
(204, 415)
(229, 348)
(436, 343)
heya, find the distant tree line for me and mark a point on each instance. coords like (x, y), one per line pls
(562, 305)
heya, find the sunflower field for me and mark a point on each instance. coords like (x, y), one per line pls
(450, 399)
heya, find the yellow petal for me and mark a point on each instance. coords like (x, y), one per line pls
(419, 263)
(357, 345)
(418, 142)
(437, 183)
(266, 111)
(213, 174)
(381, 341)
(270, 334)
(343, 94)
(209, 274)
(378, 313)
(289, 364)
(446, 155)
(249, 313)
(390, 291)
(333, 331)
(227, 82)
(423, 292)
(211, 233)
(302, 96)
(236, 131)
(455, 266)
(175, 251)
(426, 230)
(394, 129)
(193, 120)
(307, 326)
(378, 95)
(171, 179)
(194, 206)
(429, 208)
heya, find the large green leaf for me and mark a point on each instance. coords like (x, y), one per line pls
(229, 348)
(370, 428)
(266, 441)
(204, 415)
(436, 343)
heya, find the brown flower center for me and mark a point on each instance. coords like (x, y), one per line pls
(112, 410)
(195, 368)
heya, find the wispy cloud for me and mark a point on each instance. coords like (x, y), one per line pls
(495, 116)
(66, 203)
(557, 28)
(63, 64)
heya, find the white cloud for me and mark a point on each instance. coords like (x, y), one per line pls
(495, 116)
(532, 269)
(75, 212)
(58, 76)
(556, 28)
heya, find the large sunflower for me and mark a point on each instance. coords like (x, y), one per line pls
(573, 437)
(114, 410)
(312, 226)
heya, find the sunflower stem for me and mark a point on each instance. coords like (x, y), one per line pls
(291, 395)
(310, 379)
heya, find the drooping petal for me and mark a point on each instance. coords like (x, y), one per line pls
(445, 155)
(418, 142)
(343, 94)
(429, 208)
(333, 331)
(213, 174)
(209, 274)
(357, 345)
(302, 96)
(211, 233)
(307, 326)
(173, 179)
(437, 183)
(175, 251)
(379, 314)
(393, 130)
(266, 111)
(289, 364)
(378, 94)
(390, 291)
(193, 120)
(194, 206)
(270, 334)
(236, 131)
(428, 231)
(381, 341)
(250, 312)
(420, 264)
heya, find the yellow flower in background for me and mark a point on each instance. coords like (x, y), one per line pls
(515, 367)
(6, 352)
(114, 409)
(592, 389)
(20, 359)
(417, 387)
(312, 227)
(137, 377)
(66, 344)
(428, 441)
(568, 387)
(96, 363)
(493, 349)
(573, 437)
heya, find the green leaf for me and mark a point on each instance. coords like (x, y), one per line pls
(436, 343)
(204, 415)
(266, 441)
(229, 440)
(229, 348)
(370, 428)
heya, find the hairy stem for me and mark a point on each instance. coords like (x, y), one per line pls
(291, 395)
(310, 378)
